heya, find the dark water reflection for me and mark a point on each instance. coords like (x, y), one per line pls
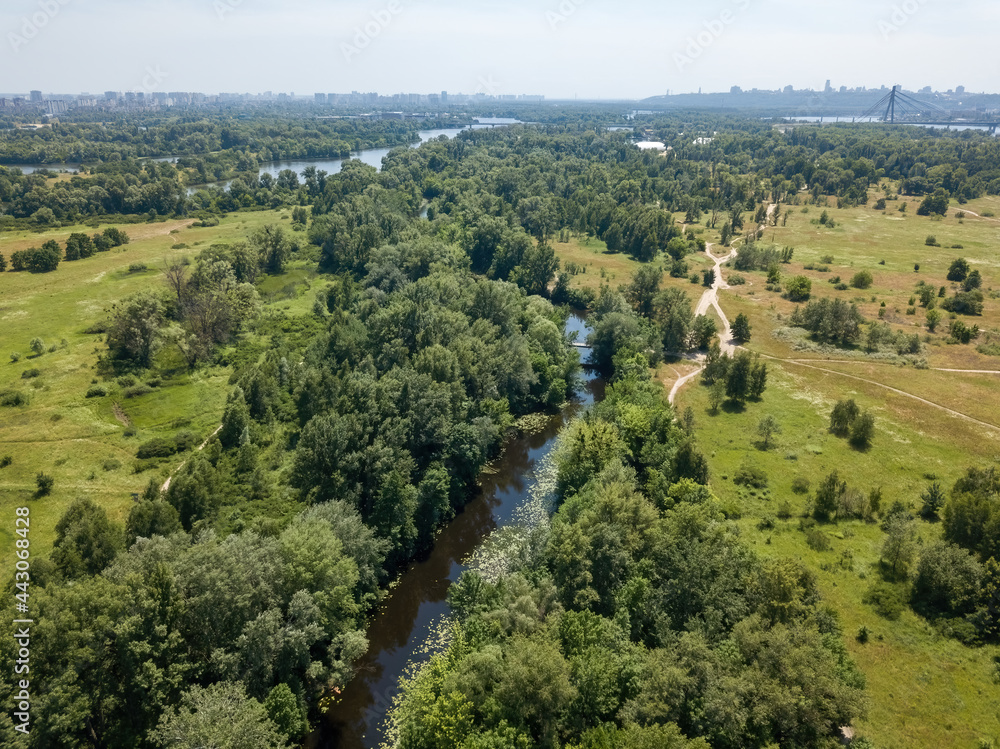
(406, 618)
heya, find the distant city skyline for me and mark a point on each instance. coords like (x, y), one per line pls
(562, 49)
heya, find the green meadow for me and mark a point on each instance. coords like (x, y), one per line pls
(88, 444)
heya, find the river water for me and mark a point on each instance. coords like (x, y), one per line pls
(371, 156)
(412, 609)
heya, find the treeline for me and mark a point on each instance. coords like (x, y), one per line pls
(79, 246)
(270, 136)
(638, 619)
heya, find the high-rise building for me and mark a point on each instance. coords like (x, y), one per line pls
(960, 90)
(320, 98)
(828, 88)
(36, 97)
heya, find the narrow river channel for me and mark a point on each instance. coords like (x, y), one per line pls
(405, 620)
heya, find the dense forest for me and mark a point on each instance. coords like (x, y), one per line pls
(236, 596)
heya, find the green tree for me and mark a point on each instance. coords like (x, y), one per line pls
(703, 332)
(798, 288)
(842, 417)
(758, 380)
(933, 319)
(643, 289)
(900, 543)
(716, 395)
(933, 500)
(86, 540)
(767, 428)
(220, 716)
(37, 346)
(739, 377)
(133, 329)
(79, 246)
(3, 263)
(283, 709)
(863, 430)
(273, 247)
(827, 498)
(151, 517)
(958, 270)
(741, 328)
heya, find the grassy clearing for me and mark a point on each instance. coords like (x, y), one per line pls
(615, 268)
(80, 441)
(925, 690)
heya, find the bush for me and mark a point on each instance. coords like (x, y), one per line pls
(13, 398)
(750, 475)
(817, 539)
(97, 391)
(44, 483)
(931, 241)
(798, 288)
(800, 485)
(158, 447)
(136, 390)
(862, 280)
(137, 268)
(15, 357)
(5, 461)
(184, 441)
(887, 600)
(111, 464)
(29, 373)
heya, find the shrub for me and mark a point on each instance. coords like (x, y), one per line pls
(15, 357)
(958, 270)
(798, 288)
(158, 447)
(37, 346)
(931, 241)
(44, 483)
(736, 280)
(800, 485)
(887, 600)
(185, 441)
(862, 280)
(13, 398)
(97, 391)
(111, 464)
(5, 461)
(136, 390)
(137, 268)
(750, 475)
(29, 373)
(817, 539)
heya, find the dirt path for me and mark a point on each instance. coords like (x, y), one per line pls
(710, 298)
(166, 484)
(959, 414)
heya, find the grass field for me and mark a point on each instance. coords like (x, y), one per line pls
(80, 441)
(925, 690)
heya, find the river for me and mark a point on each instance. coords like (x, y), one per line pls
(370, 156)
(418, 603)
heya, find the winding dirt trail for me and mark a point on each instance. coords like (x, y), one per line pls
(166, 484)
(710, 298)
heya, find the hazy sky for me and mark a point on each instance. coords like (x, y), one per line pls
(559, 48)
